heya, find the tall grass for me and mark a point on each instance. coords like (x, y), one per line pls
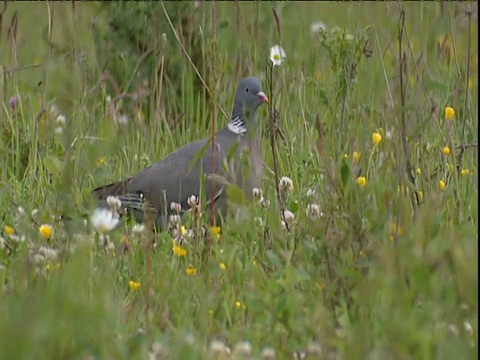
(388, 271)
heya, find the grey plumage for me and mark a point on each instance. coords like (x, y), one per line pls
(179, 175)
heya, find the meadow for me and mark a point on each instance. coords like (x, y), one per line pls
(375, 110)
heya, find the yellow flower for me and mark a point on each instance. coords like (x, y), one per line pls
(223, 266)
(178, 250)
(362, 181)
(396, 229)
(191, 271)
(442, 185)
(465, 172)
(183, 230)
(420, 194)
(9, 230)
(101, 161)
(217, 231)
(449, 113)
(446, 151)
(356, 156)
(377, 138)
(46, 231)
(239, 305)
(134, 285)
(419, 171)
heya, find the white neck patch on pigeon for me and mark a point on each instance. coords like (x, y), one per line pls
(237, 126)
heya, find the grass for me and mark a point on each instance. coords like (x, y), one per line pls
(379, 276)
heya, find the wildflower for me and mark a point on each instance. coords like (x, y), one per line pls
(122, 119)
(114, 203)
(240, 305)
(420, 195)
(449, 113)
(465, 172)
(134, 285)
(242, 350)
(178, 250)
(442, 185)
(362, 181)
(191, 271)
(46, 231)
(356, 156)
(174, 219)
(216, 231)
(138, 228)
(264, 202)
(377, 138)
(175, 207)
(257, 193)
(288, 216)
(218, 350)
(192, 201)
(419, 171)
(317, 27)
(396, 229)
(277, 55)
(48, 253)
(223, 266)
(13, 102)
(313, 211)
(60, 120)
(446, 151)
(268, 353)
(311, 192)
(286, 183)
(104, 220)
(20, 211)
(101, 161)
(9, 230)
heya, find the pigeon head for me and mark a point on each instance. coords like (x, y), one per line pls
(249, 97)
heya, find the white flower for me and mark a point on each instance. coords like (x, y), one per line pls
(138, 228)
(114, 203)
(317, 27)
(311, 192)
(277, 55)
(175, 219)
(58, 130)
(288, 216)
(104, 220)
(268, 353)
(242, 349)
(264, 202)
(20, 211)
(175, 207)
(286, 183)
(257, 193)
(48, 253)
(192, 200)
(218, 349)
(313, 211)
(34, 214)
(122, 119)
(60, 120)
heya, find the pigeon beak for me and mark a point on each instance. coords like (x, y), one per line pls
(262, 96)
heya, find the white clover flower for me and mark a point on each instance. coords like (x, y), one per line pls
(277, 55)
(104, 220)
(114, 203)
(311, 192)
(264, 202)
(317, 27)
(20, 211)
(286, 183)
(58, 130)
(34, 214)
(468, 327)
(175, 207)
(192, 200)
(37, 258)
(174, 219)
(48, 253)
(257, 193)
(242, 349)
(138, 228)
(218, 349)
(60, 120)
(313, 211)
(288, 216)
(268, 353)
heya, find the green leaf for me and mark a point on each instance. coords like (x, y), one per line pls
(345, 173)
(236, 195)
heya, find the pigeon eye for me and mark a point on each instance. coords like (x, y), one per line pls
(246, 89)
